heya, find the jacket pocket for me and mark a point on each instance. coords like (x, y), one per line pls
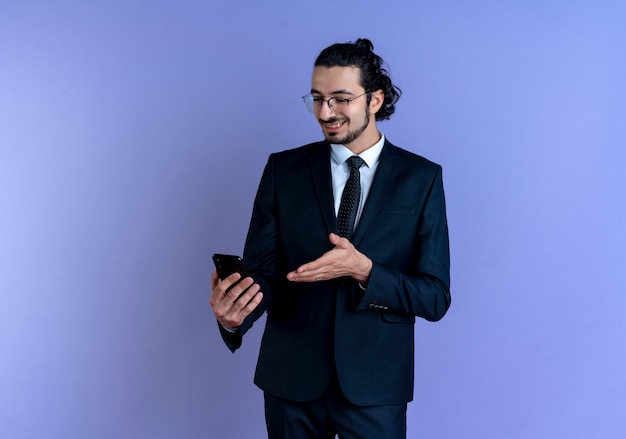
(397, 318)
(398, 210)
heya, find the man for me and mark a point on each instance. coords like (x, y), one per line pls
(337, 351)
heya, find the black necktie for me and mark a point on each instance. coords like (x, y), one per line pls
(350, 198)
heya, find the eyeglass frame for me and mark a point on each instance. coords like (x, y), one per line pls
(341, 101)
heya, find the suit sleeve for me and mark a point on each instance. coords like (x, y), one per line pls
(424, 289)
(259, 253)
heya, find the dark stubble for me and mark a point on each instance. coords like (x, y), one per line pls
(351, 136)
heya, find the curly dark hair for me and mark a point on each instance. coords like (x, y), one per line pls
(373, 75)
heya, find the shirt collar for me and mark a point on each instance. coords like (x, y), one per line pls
(340, 153)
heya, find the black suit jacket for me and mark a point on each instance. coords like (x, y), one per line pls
(315, 329)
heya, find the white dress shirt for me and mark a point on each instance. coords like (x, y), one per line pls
(340, 171)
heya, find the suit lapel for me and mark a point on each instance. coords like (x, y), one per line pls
(319, 161)
(383, 181)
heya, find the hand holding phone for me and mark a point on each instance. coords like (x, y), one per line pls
(230, 313)
(227, 265)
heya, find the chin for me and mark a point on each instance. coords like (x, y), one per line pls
(331, 137)
(336, 140)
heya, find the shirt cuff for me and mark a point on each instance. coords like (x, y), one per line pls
(231, 330)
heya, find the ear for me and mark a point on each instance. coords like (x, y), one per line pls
(378, 98)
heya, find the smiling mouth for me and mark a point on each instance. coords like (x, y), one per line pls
(333, 125)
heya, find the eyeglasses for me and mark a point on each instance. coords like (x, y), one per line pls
(314, 103)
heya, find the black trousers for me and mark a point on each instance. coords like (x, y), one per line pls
(330, 415)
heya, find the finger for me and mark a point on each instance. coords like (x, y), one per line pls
(253, 303)
(309, 266)
(241, 301)
(303, 271)
(238, 289)
(241, 308)
(226, 312)
(321, 264)
(222, 287)
(328, 258)
(214, 280)
(310, 275)
(339, 241)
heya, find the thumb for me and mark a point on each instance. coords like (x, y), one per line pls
(338, 241)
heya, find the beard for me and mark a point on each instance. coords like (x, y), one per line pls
(350, 136)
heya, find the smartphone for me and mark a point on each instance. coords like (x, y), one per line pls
(227, 265)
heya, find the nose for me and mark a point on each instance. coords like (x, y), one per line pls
(326, 111)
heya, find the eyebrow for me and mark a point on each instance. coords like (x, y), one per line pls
(336, 92)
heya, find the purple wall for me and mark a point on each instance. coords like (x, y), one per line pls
(123, 132)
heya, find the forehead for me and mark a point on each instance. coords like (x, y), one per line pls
(329, 80)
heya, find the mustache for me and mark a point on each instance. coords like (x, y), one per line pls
(332, 120)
